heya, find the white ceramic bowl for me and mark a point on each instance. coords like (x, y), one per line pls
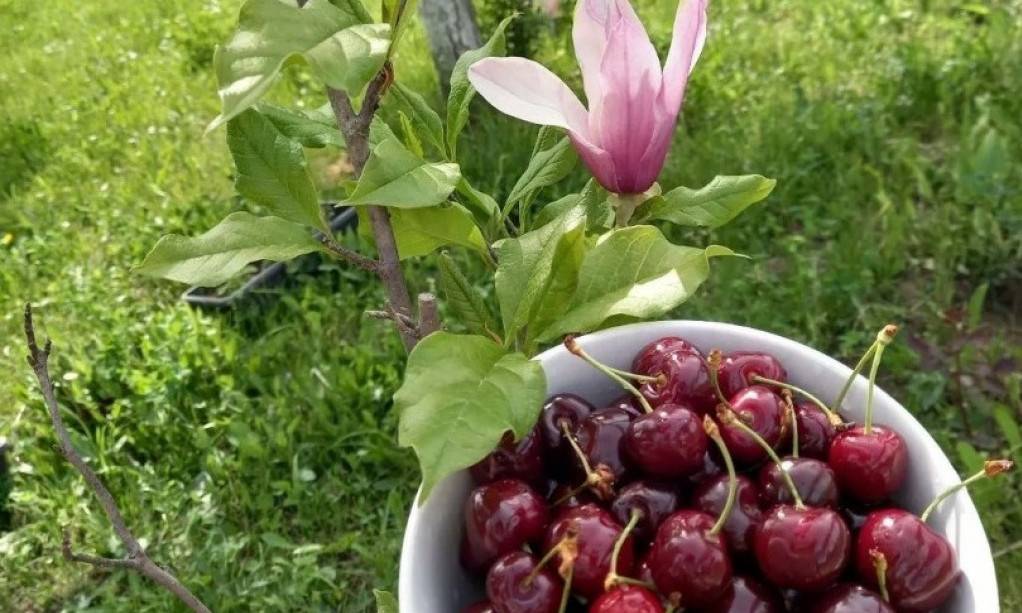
(431, 580)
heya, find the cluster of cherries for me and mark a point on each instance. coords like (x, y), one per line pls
(638, 507)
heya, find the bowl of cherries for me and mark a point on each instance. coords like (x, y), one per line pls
(707, 468)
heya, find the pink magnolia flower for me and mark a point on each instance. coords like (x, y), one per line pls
(633, 104)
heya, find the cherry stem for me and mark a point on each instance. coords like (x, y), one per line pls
(575, 492)
(732, 484)
(713, 365)
(728, 416)
(851, 378)
(833, 417)
(612, 576)
(880, 565)
(789, 410)
(572, 533)
(630, 581)
(572, 345)
(990, 470)
(884, 338)
(635, 376)
(566, 592)
(578, 450)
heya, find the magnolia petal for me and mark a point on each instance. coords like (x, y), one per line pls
(594, 20)
(528, 91)
(623, 121)
(599, 163)
(686, 45)
(652, 161)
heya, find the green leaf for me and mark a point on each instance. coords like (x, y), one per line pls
(482, 205)
(463, 298)
(354, 7)
(1005, 419)
(633, 272)
(537, 273)
(976, 301)
(345, 53)
(385, 602)
(715, 204)
(396, 177)
(462, 91)
(599, 213)
(546, 167)
(399, 13)
(425, 120)
(216, 256)
(411, 139)
(459, 396)
(420, 231)
(315, 129)
(380, 131)
(272, 170)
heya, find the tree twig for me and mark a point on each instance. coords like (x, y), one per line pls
(354, 257)
(136, 558)
(429, 316)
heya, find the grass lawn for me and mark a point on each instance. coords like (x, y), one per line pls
(254, 450)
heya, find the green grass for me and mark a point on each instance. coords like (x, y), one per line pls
(254, 450)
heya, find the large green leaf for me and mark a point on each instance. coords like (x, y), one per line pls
(547, 166)
(396, 177)
(537, 273)
(342, 51)
(633, 272)
(713, 205)
(272, 170)
(424, 119)
(592, 198)
(462, 91)
(463, 298)
(482, 205)
(420, 231)
(315, 128)
(385, 602)
(219, 254)
(460, 395)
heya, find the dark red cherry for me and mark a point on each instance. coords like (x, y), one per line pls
(668, 443)
(746, 595)
(686, 559)
(869, 467)
(922, 569)
(650, 359)
(802, 549)
(472, 560)
(850, 598)
(813, 479)
(627, 599)
(597, 533)
(480, 607)
(599, 437)
(713, 465)
(760, 409)
(736, 370)
(739, 527)
(642, 572)
(686, 381)
(566, 497)
(502, 516)
(510, 460)
(562, 408)
(511, 590)
(814, 431)
(628, 404)
(653, 500)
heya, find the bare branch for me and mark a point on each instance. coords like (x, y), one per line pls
(351, 256)
(136, 558)
(429, 317)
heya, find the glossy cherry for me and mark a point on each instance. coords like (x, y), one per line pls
(480, 607)
(850, 598)
(687, 559)
(514, 585)
(565, 496)
(686, 380)
(599, 437)
(739, 527)
(597, 533)
(870, 464)
(500, 517)
(650, 358)
(761, 409)
(746, 595)
(654, 501)
(642, 572)
(813, 479)
(627, 403)
(668, 443)
(736, 370)
(922, 569)
(627, 599)
(561, 409)
(513, 460)
(802, 548)
(713, 465)
(815, 431)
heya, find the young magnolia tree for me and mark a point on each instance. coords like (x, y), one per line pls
(580, 263)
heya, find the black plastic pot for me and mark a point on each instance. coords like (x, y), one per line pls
(271, 274)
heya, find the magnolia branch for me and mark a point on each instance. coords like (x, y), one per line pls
(136, 558)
